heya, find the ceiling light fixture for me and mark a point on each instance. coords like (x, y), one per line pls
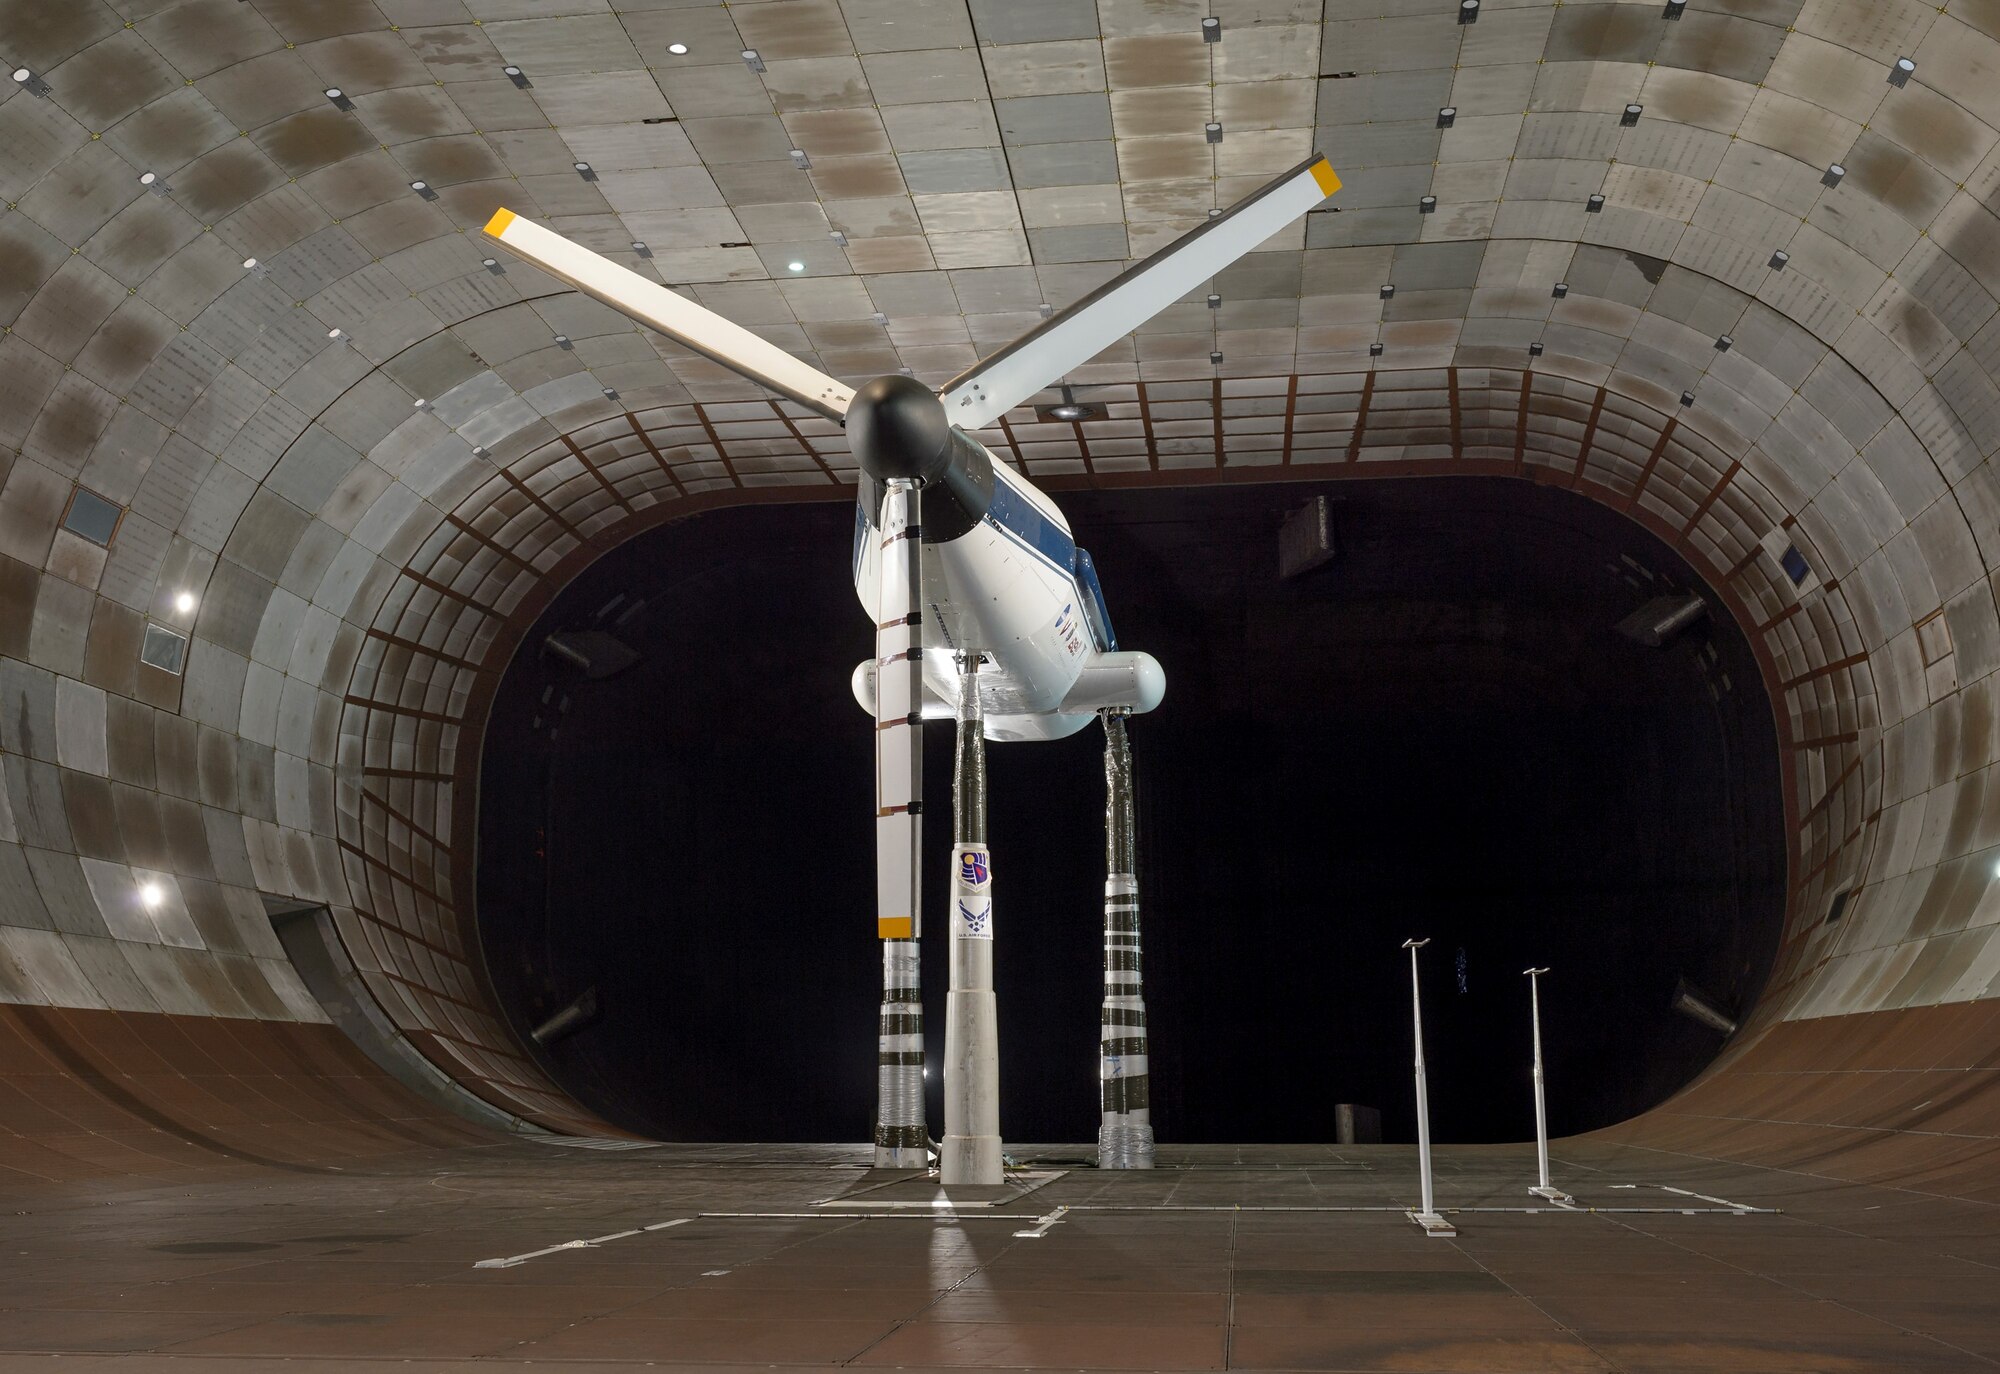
(1213, 131)
(678, 49)
(1215, 357)
(752, 60)
(152, 895)
(795, 266)
(1447, 116)
(1561, 290)
(1834, 173)
(583, 170)
(423, 188)
(639, 247)
(29, 82)
(517, 76)
(1631, 115)
(800, 160)
(152, 182)
(1535, 349)
(1779, 259)
(1211, 30)
(491, 264)
(255, 268)
(1214, 302)
(1594, 205)
(1675, 8)
(339, 98)
(1375, 350)
(1427, 205)
(1902, 71)
(184, 602)
(1072, 409)
(1468, 11)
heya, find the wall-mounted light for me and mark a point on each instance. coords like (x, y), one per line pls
(1561, 290)
(1427, 205)
(1447, 116)
(1594, 205)
(1212, 131)
(1779, 259)
(1468, 11)
(800, 160)
(339, 98)
(517, 76)
(752, 60)
(151, 181)
(1900, 74)
(30, 83)
(583, 170)
(1211, 30)
(1375, 350)
(678, 49)
(1631, 115)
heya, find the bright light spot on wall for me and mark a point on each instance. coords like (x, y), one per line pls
(795, 266)
(151, 895)
(184, 603)
(677, 49)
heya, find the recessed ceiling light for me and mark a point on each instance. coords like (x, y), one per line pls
(151, 894)
(184, 602)
(677, 49)
(795, 266)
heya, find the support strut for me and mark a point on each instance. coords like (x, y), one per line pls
(1125, 1129)
(971, 1152)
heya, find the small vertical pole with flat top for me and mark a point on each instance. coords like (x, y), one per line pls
(1544, 1189)
(1428, 1217)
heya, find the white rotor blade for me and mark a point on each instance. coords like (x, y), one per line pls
(997, 384)
(899, 692)
(674, 315)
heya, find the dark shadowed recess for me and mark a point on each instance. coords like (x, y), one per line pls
(1438, 733)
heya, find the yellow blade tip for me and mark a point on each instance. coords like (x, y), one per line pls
(893, 927)
(497, 226)
(1322, 171)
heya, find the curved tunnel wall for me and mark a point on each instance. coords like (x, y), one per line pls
(362, 562)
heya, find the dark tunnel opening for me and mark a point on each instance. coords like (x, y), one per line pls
(1438, 733)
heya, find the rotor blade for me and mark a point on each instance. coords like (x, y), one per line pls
(899, 687)
(674, 315)
(995, 385)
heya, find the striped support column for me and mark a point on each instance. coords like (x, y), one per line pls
(902, 1139)
(1125, 1131)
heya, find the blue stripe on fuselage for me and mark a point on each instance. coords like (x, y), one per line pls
(1017, 515)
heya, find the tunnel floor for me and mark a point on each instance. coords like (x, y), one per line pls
(1271, 1257)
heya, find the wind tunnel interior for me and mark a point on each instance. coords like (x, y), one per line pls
(1439, 732)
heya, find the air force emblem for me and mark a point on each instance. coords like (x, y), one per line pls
(972, 868)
